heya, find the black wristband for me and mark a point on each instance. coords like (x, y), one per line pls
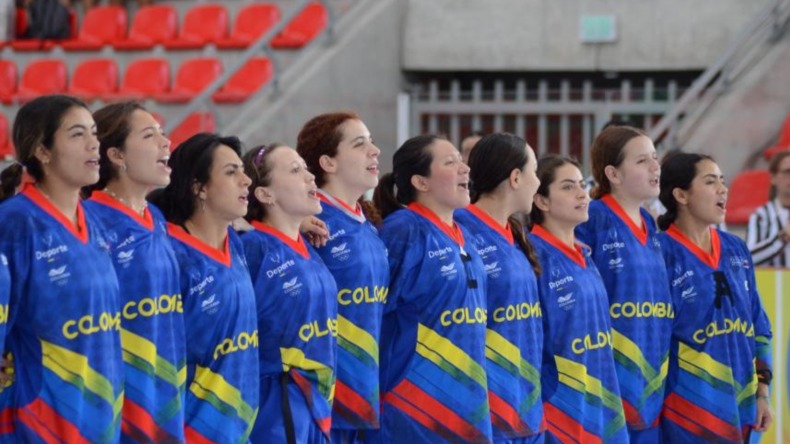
(765, 376)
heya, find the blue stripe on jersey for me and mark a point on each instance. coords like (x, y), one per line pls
(640, 306)
(357, 258)
(580, 390)
(222, 339)
(514, 343)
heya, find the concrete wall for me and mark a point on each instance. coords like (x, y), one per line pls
(521, 35)
(360, 71)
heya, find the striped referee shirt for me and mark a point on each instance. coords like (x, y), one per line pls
(762, 235)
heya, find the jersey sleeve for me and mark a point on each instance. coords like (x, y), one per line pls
(405, 253)
(762, 325)
(253, 252)
(17, 246)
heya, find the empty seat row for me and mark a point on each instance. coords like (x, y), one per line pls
(144, 78)
(203, 24)
(194, 123)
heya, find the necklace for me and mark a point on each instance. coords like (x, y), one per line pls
(120, 199)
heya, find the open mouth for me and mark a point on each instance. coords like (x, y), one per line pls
(93, 163)
(313, 194)
(163, 160)
(373, 169)
(722, 204)
(464, 185)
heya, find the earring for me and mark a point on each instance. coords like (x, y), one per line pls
(123, 168)
(202, 204)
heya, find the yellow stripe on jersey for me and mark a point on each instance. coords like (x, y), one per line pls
(496, 343)
(137, 346)
(74, 369)
(698, 363)
(294, 357)
(574, 375)
(357, 336)
(435, 348)
(208, 386)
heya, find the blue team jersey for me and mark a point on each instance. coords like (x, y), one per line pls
(433, 334)
(221, 332)
(152, 328)
(580, 390)
(297, 321)
(5, 291)
(720, 335)
(640, 307)
(357, 258)
(64, 324)
(514, 335)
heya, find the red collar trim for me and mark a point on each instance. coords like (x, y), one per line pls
(221, 256)
(453, 232)
(103, 198)
(38, 198)
(710, 259)
(494, 225)
(640, 233)
(296, 245)
(575, 254)
(357, 210)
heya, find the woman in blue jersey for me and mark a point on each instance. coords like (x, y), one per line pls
(503, 185)
(339, 150)
(580, 390)
(433, 379)
(134, 154)
(720, 354)
(208, 191)
(296, 300)
(623, 239)
(64, 317)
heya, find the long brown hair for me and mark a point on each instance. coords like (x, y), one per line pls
(609, 149)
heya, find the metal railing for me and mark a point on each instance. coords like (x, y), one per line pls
(766, 27)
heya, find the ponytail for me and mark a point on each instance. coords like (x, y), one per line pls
(384, 196)
(370, 211)
(517, 228)
(667, 219)
(10, 178)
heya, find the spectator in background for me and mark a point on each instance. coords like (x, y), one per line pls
(468, 142)
(768, 232)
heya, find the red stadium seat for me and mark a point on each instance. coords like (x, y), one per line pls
(203, 24)
(194, 123)
(103, 25)
(151, 25)
(6, 148)
(251, 23)
(771, 152)
(303, 28)
(43, 44)
(8, 81)
(94, 78)
(193, 76)
(41, 77)
(748, 191)
(248, 79)
(143, 79)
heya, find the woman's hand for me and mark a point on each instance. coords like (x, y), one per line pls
(765, 414)
(315, 230)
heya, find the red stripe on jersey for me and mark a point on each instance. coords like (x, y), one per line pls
(221, 256)
(6, 422)
(448, 418)
(453, 232)
(137, 419)
(296, 245)
(80, 230)
(562, 425)
(493, 224)
(639, 232)
(324, 424)
(704, 424)
(419, 416)
(194, 437)
(506, 415)
(632, 415)
(45, 422)
(711, 258)
(146, 220)
(354, 402)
